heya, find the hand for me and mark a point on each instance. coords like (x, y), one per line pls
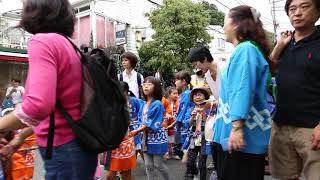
(315, 139)
(170, 126)
(236, 140)
(132, 133)
(6, 152)
(215, 104)
(194, 112)
(284, 38)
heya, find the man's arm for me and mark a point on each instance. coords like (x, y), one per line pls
(282, 42)
(9, 92)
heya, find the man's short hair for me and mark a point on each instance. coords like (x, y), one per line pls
(16, 80)
(183, 75)
(288, 3)
(133, 59)
(200, 53)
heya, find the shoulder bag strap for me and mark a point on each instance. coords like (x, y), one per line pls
(48, 155)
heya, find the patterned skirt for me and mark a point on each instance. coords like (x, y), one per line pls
(23, 159)
(123, 158)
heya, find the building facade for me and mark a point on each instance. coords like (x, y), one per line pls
(219, 48)
(13, 53)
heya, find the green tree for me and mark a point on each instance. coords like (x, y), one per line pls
(216, 16)
(114, 53)
(179, 25)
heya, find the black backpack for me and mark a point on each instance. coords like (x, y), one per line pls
(104, 117)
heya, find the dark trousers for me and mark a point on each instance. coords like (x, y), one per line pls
(177, 141)
(239, 165)
(192, 168)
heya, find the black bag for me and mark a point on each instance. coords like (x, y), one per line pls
(104, 115)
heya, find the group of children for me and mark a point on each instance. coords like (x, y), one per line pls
(161, 128)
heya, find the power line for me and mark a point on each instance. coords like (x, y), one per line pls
(240, 2)
(266, 19)
(269, 21)
(277, 1)
(222, 4)
(154, 3)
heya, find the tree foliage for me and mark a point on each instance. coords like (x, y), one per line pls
(216, 16)
(179, 25)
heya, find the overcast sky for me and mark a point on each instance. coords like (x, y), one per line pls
(263, 6)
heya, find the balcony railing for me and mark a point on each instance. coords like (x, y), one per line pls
(13, 46)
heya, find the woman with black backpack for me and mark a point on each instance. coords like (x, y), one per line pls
(54, 73)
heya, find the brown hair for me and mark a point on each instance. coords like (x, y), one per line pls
(248, 29)
(15, 80)
(157, 91)
(48, 16)
(133, 59)
(183, 75)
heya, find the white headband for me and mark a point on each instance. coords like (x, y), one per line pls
(256, 15)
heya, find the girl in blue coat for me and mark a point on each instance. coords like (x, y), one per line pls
(155, 138)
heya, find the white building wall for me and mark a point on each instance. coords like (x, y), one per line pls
(119, 10)
(219, 48)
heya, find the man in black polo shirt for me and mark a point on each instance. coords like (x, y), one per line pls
(295, 137)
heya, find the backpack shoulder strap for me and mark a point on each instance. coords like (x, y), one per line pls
(64, 112)
(75, 47)
(121, 77)
(66, 116)
(48, 155)
(139, 79)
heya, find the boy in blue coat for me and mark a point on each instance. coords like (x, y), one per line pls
(182, 82)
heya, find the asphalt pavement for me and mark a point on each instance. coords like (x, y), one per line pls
(176, 170)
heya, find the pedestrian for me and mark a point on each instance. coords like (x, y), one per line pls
(54, 72)
(14, 93)
(198, 79)
(201, 58)
(123, 159)
(243, 123)
(182, 82)
(196, 144)
(129, 61)
(155, 140)
(172, 104)
(134, 106)
(295, 137)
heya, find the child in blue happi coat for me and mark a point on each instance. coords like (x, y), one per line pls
(196, 144)
(182, 82)
(155, 138)
(134, 106)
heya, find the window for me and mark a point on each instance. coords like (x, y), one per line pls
(221, 43)
(84, 8)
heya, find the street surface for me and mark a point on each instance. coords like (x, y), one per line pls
(176, 169)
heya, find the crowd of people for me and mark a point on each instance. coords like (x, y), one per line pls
(222, 110)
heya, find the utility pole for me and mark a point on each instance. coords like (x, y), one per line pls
(274, 20)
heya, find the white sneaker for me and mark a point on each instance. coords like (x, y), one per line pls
(196, 177)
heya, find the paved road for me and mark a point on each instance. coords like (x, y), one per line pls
(176, 169)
